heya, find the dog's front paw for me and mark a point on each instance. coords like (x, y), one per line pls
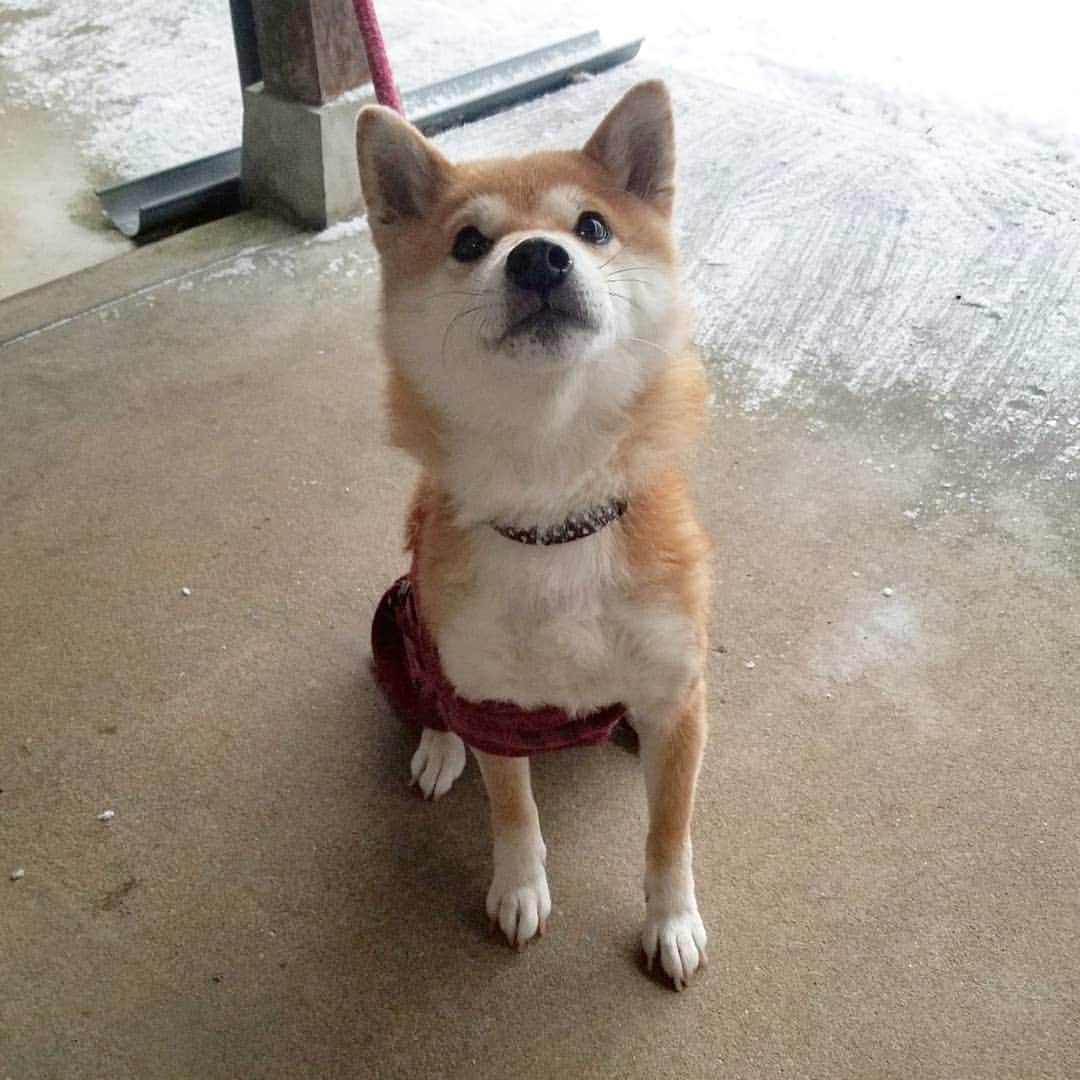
(679, 937)
(519, 900)
(439, 760)
(521, 908)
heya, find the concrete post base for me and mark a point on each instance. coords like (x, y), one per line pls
(301, 159)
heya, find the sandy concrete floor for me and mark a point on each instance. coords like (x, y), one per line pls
(887, 830)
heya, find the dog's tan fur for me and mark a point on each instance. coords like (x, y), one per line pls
(647, 575)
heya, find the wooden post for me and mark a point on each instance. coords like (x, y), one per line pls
(299, 154)
(310, 50)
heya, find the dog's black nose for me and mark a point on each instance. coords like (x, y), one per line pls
(538, 265)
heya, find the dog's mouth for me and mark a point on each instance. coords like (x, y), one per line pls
(546, 323)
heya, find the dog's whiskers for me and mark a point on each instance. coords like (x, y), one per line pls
(628, 270)
(606, 262)
(454, 321)
(645, 341)
(626, 299)
(459, 292)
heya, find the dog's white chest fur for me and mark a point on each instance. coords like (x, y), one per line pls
(557, 626)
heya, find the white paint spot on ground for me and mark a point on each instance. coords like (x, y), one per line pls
(871, 639)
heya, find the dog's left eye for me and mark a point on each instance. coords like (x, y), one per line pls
(470, 244)
(592, 228)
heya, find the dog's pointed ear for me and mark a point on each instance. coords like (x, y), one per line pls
(401, 173)
(635, 143)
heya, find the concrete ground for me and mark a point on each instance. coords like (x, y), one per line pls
(886, 834)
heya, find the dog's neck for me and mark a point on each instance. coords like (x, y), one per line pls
(565, 463)
(531, 481)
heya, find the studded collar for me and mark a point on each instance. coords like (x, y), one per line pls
(575, 527)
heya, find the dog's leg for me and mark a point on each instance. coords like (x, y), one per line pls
(438, 762)
(518, 898)
(671, 751)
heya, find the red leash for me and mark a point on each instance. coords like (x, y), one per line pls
(382, 77)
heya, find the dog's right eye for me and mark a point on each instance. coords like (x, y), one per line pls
(470, 244)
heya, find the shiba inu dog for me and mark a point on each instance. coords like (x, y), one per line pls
(541, 373)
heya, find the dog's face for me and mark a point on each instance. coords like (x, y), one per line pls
(506, 278)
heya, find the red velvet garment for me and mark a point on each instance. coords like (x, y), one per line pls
(408, 669)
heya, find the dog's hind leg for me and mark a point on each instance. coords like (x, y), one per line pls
(438, 762)
(518, 899)
(671, 752)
